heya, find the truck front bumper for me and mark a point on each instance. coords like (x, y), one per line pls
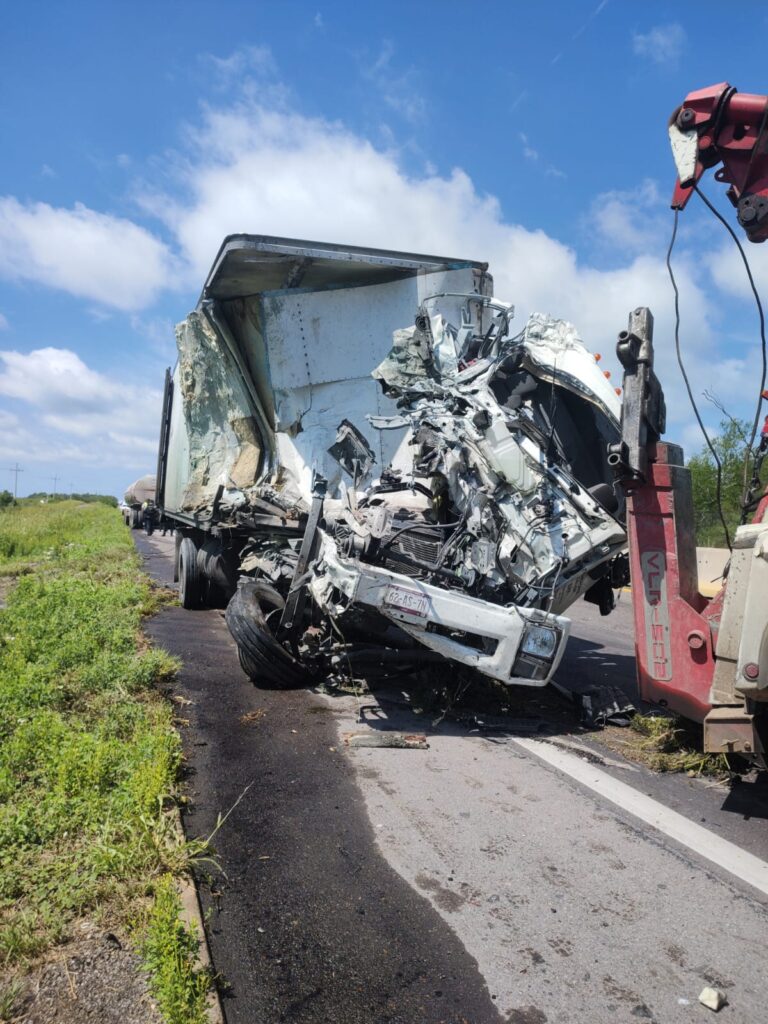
(519, 646)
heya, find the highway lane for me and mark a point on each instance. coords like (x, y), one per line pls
(308, 922)
(474, 881)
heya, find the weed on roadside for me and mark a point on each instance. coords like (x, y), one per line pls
(9, 998)
(170, 952)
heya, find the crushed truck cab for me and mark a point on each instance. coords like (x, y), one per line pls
(372, 469)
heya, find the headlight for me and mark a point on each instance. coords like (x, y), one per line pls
(539, 641)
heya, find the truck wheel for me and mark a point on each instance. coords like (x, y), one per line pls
(177, 538)
(267, 663)
(250, 668)
(190, 584)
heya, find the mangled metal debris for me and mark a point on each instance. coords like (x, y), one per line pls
(376, 474)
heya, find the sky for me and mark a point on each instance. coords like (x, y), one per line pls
(533, 136)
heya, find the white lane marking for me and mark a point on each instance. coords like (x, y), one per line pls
(732, 858)
(570, 745)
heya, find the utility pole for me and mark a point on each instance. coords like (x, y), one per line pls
(55, 481)
(15, 470)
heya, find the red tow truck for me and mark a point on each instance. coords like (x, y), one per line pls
(706, 659)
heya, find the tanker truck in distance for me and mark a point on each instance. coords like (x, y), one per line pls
(139, 493)
(373, 470)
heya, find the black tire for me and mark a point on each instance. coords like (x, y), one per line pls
(190, 584)
(265, 661)
(250, 668)
(177, 538)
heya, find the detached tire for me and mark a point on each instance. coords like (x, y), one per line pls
(190, 584)
(265, 661)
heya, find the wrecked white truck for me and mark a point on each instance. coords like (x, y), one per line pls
(374, 472)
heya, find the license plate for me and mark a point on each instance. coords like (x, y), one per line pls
(409, 605)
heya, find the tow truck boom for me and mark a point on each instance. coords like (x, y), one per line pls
(706, 659)
(719, 125)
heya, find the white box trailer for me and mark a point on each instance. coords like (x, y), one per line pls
(369, 468)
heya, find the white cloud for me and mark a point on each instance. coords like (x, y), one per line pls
(528, 151)
(727, 268)
(399, 88)
(335, 185)
(3, 323)
(8, 420)
(532, 154)
(246, 61)
(160, 333)
(79, 413)
(109, 260)
(662, 44)
(633, 220)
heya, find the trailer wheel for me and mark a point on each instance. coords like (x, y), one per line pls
(177, 538)
(190, 584)
(265, 661)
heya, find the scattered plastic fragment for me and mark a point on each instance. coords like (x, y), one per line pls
(713, 998)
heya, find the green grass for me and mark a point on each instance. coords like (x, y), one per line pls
(89, 754)
(170, 949)
(53, 532)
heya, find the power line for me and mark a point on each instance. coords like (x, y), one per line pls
(15, 470)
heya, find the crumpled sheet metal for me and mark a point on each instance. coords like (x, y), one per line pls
(410, 364)
(556, 345)
(222, 435)
(494, 470)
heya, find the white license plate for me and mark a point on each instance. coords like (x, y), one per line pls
(408, 604)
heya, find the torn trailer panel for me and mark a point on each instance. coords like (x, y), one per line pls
(374, 460)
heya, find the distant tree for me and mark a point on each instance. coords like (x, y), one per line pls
(104, 499)
(731, 446)
(6, 499)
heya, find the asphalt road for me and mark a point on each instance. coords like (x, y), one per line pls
(475, 881)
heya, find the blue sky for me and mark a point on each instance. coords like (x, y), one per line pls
(531, 135)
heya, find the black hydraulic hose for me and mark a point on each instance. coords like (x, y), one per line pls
(759, 305)
(715, 456)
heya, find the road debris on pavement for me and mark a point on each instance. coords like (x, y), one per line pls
(713, 998)
(402, 740)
